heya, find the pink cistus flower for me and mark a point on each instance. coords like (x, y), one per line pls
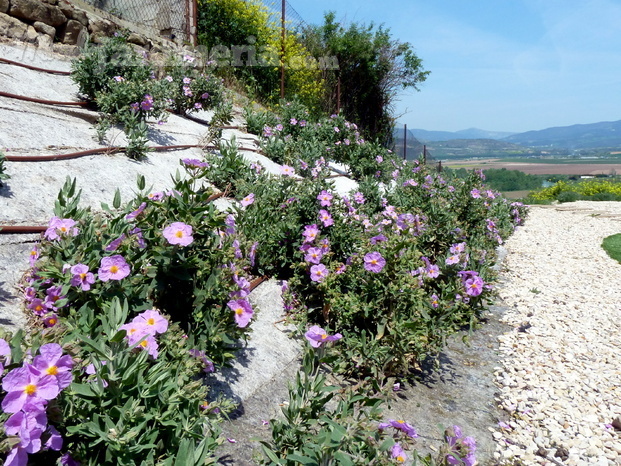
(374, 262)
(178, 233)
(325, 218)
(318, 273)
(317, 336)
(195, 163)
(28, 386)
(152, 321)
(5, 354)
(34, 255)
(82, 277)
(313, 255)
(398, 454)
(462, 448)
(249, 199)
(242, 310)
(135, 213)
(113, 268)
(59, 227)
(286, 170)
(401, 425)
(310, 233)
(51, 361)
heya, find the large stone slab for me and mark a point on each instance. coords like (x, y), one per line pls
(34, 10)
(12, 27)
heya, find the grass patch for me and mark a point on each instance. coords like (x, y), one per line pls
(612, 246)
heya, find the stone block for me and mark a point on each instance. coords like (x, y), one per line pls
(71, 33)
(66, 49)
(35, 10)
(44, 41)
(137, 39)
(4, 6)
(50, 2)
(45, 28)
(100, 26)
(73, 13)
(12, 27)
(31, 35)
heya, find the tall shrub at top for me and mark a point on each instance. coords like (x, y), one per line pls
(228, 28)
(373, 68)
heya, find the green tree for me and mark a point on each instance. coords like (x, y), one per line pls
(373, 69)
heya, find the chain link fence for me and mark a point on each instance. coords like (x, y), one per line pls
(172, 19)
(293, 21)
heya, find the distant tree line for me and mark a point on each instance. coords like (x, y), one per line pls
(501, 179)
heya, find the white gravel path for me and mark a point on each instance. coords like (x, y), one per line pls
(561, 380)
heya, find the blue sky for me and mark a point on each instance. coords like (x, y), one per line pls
(500, 65)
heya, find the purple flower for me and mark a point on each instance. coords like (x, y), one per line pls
(114, 245)
(374, 262)
(243, 311)
(313, 255)
(454, 259)
(475, 193)
(378, 239)
(310, 233)
(325, 218)
(178, 233)
(147, 104)
(317, 336)
(208, 365)
(113, 268)
(67, 460)
(398, 453)
(58, 227)
(401, 425)
(152, 321)
(286, 170)
(50, 320)
(325, 197)
(51, 361)
(82, 277)
(359, 198)
(462, 448)
(136, 212)
(293, 121)
(435, 301)
(432, 271)
(474, 286)
(26, 385)
(34, 255)
(37, 306)
(318, 273)
(249, 199)
(195, 163)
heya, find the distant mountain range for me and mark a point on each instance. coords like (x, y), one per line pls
(590, 136)
(472, 133)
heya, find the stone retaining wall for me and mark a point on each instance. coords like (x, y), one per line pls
(65, 26)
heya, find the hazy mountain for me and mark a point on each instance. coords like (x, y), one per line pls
(414, 148)
(471, 133)
(603, 134)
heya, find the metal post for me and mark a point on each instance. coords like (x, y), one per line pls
(282, 60)
(405, 141)
(338, 92)
(424, 154)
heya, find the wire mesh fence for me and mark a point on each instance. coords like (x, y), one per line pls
(169, 18)
(294, 22)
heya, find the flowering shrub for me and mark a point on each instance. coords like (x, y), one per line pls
(126, 90)
(3, 175)
(592, 190)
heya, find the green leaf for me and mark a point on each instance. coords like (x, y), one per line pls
(301, 459)
(141, 182)
(116, 202)
(82, 389)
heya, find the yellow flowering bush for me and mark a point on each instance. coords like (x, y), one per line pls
(588, 189)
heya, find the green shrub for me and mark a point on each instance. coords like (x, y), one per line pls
(3, 174)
